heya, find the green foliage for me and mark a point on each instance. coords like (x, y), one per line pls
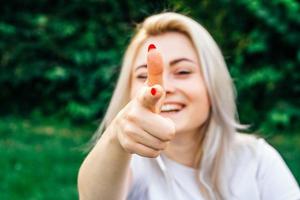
(62, 58)
(259, 40)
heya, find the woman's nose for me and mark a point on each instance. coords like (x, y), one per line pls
(168, 83)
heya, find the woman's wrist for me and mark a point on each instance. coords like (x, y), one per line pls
(111, 137)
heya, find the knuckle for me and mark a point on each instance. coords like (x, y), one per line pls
(170, 133)
(161, 145)
(130, 131)
(154, 154)
(131, 116)
(127, 144)
(167, 137)
(127, 128)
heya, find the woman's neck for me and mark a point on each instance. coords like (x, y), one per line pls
(185, 147)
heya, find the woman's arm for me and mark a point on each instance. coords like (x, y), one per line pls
(137, 129)
(105, 172)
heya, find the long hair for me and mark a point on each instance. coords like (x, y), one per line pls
(221, 128)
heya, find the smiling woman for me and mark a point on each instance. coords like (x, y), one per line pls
(171, 130)
(182, 80)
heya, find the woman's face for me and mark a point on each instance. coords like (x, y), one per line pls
(186, 102)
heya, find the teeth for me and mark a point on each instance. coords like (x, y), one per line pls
(170, 107)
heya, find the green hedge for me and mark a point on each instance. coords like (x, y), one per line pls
(62, 58)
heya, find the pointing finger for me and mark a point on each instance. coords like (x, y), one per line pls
(154, 66)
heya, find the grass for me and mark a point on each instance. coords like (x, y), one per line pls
(40, 158)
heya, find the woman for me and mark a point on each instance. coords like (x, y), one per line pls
(170, 131)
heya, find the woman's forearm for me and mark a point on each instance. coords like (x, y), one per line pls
(105, 172)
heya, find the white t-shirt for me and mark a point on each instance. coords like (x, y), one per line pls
(262, 177)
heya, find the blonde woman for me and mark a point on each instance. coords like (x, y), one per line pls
(171, 129)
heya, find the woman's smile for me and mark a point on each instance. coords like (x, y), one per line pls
(186, 99)
(171, 109)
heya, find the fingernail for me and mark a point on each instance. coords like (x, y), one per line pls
(153, 91)
(151, 46)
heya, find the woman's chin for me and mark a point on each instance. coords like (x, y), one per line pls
(176, 117)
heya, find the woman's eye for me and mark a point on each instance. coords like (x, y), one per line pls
(183, 72)
(142, 76)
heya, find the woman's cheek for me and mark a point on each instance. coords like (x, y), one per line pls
(135, 86)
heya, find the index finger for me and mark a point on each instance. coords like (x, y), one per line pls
(154, 66)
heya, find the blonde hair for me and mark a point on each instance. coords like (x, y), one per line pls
(223, 123)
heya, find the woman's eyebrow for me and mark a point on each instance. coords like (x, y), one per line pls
(141, 66)
(173, 62)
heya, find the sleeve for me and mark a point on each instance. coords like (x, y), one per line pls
(275, 180)
(138, 189)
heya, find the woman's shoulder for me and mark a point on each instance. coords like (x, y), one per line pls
(270, 170)
(254, 143)
(253, 148)
(267, 161)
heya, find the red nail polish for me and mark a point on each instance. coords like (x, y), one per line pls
(151, 46)
(153, 91)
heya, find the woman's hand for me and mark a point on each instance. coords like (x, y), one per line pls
(138, 126)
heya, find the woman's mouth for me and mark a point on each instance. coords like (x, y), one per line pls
(171, 108)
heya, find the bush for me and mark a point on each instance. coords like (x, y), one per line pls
(64, 59)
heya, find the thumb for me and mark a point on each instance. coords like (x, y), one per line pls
(152, 97)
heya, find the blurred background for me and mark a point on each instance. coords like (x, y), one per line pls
(59, 61)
